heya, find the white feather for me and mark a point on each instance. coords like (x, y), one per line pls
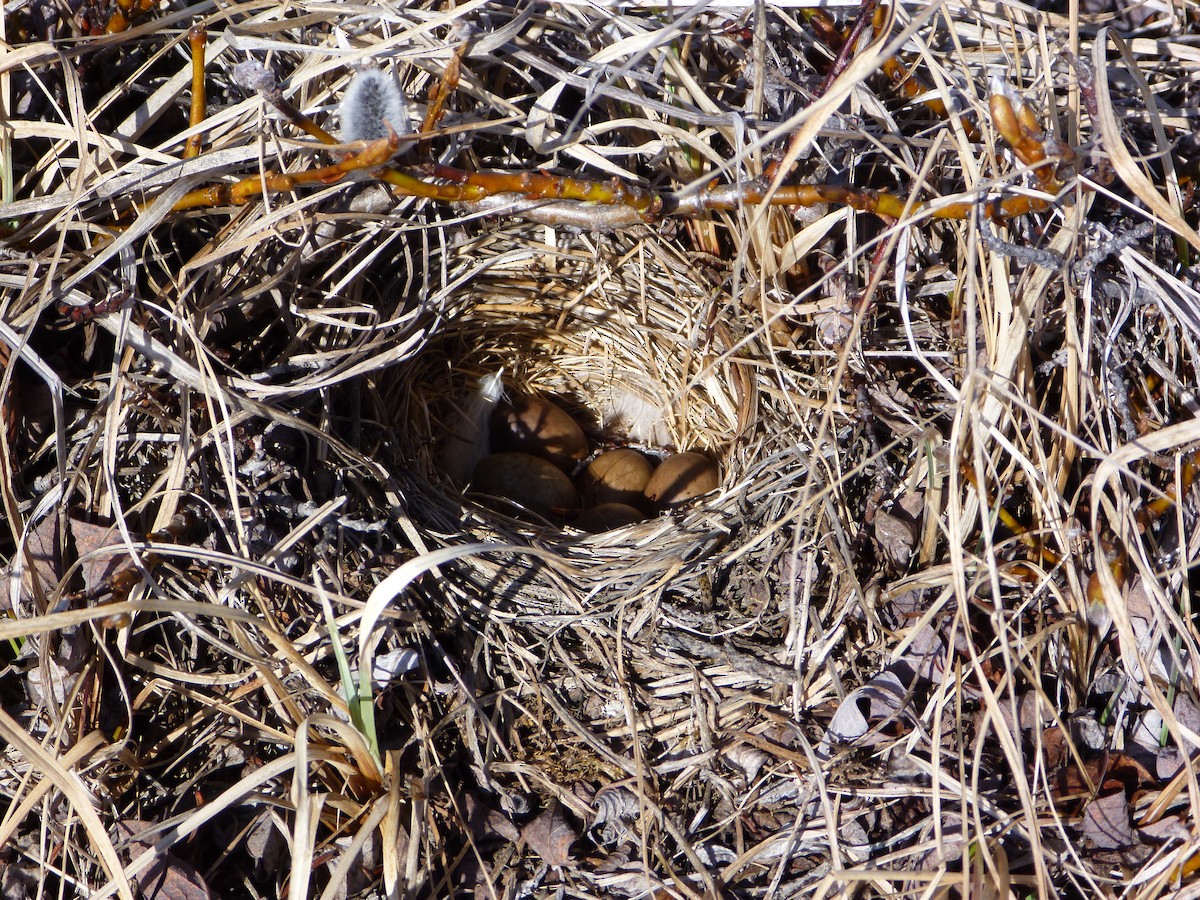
(636, 415)
(468, 441)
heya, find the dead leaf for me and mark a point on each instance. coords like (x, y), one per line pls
(1168, 762)
(748, 758)
(895, 538)
(46, 559)
(1106, 823)
(98, 570)
(1166, 829)
(500, 826)
(1127, 772)
(394, 665)
(834, 326)
(1187, 712)
(487, 823)
(1086, 733)
(49, 683)
(1054, 746)
(912, 505)
(168, 877)
(879, 700)
(551, 835)
(1112, 772)
(923, 658)
(265, 844)
(616, 804)
(41, 569)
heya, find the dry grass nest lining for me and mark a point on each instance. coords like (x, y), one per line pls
(626, 340)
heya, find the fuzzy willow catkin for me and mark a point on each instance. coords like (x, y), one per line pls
(372, 103)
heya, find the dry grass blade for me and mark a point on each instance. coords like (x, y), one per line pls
(1118, 153)
(913, 314)
(68, 784)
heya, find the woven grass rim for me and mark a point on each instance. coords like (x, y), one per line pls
(542, 329)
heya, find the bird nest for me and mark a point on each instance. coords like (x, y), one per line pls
(631, 343)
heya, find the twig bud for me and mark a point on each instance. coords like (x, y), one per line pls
(252, 75)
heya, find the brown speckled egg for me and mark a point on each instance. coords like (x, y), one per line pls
(618, 476)
(534, 484)
(536, 426)
(607, 516)
(680, 478)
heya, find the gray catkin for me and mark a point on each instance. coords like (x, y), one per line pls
(371, 103)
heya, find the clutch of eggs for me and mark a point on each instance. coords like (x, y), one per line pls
(540, 446)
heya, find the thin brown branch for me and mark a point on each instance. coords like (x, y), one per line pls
(197, 40)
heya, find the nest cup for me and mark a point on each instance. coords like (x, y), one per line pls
(633, 352)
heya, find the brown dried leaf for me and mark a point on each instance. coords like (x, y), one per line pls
(168, 877)
(42, 567)
(1128, 773)
(500, 826)
(1073, 783)
(912, 505)
(1106, 823)
(99, 570)
(487, 823)
(1054, 746)
(265, 844)
(895, 538)
(551, 835)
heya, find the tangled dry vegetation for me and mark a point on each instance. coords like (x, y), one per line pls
(933, 636)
